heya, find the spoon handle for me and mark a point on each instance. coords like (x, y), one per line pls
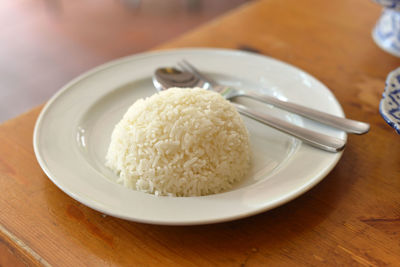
(347, 125)
(318, 140)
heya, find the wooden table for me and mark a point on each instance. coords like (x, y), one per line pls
(351, 218)
(46, 43)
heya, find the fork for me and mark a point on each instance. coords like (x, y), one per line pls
(347, 125)
(167, 77)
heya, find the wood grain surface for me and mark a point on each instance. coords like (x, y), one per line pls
(46, 43)
(352, 218)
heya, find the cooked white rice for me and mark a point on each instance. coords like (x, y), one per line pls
(180, 142)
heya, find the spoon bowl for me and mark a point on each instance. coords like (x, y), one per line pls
(165, 78)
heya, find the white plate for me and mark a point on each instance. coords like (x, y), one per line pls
(73, 132)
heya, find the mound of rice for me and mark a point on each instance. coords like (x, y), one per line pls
(180, 142)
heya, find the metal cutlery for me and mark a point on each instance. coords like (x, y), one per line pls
(165, 78)
(347, 125)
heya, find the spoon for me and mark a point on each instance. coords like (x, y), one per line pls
(165, 78)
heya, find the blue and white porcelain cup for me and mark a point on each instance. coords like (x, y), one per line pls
(386, 33)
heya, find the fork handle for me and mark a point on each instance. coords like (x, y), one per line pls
(321, 141)
(347, 125)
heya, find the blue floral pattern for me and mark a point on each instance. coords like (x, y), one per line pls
(390, 103)
(387, 31)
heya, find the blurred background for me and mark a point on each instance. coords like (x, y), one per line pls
(46, 43)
